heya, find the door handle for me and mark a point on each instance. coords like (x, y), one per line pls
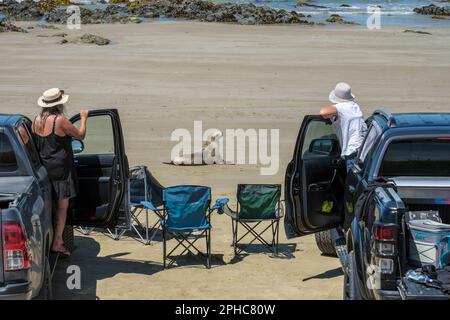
(35, 220)
(321, 186)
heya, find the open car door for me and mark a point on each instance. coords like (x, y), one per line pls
(314, 181)
(101, 173)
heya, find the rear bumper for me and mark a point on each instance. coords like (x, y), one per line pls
(387, 295)
(16, 291)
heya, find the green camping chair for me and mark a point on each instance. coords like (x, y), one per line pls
(256, 204)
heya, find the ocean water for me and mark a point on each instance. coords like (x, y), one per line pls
(393, 12)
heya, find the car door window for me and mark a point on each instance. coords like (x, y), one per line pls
(99, 136)
(28, 143)
(317, 130)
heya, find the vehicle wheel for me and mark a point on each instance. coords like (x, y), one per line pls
(46, 292)
(351, 291)
(68, 238)
(325, 243)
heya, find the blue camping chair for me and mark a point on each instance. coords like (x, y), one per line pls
(186, 215)
(145, 196)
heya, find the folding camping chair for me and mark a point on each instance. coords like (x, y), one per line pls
(187, 211)
(256, 204)
(145, 195)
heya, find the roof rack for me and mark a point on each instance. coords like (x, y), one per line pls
(387, 115)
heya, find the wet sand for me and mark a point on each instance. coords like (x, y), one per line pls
(163, 76)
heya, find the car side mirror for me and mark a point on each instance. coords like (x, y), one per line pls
(77, 146)
(326, 147)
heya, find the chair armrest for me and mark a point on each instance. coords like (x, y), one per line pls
(280, 211)
(227, 210)
(219, 205)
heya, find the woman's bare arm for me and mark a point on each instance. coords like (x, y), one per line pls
(328, 112)
(70, 130)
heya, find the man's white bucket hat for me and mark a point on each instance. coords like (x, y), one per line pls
(52, 97)
(342, 93)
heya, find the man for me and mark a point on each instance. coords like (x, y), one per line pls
(347, 120)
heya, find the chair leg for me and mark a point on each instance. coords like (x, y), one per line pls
(232, 231)
(277, 231)
(235, 237)
(208, 248)
(164, 247)
(146, 227)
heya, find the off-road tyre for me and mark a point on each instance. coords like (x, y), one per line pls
(325, 243)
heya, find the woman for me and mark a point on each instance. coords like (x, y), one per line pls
(54, 133)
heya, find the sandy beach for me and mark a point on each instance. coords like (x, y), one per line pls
(163, 76)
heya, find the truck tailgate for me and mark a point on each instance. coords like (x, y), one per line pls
(420, 189)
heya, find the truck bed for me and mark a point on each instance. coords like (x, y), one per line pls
(421, 194)
(16, 184)
(425, 193)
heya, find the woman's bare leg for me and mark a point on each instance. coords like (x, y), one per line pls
(60, 219)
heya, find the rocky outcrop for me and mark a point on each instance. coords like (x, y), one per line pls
(201, 10)
(6, 26)
(433, 10)
(416, 31)
(335, 18)
(94, 39)
(24, 11)
(306, 4)
(87, 38)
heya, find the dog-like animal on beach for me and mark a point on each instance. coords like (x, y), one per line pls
(209, 154)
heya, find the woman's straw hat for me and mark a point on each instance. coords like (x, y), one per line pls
(52, 97)
(342, 93)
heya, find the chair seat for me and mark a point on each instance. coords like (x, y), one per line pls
(234, 216)
(186, 229)
(148, 205)
(257, 220)
(136, 205)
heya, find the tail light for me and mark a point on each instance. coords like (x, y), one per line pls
(385, 245)
(16, 251)
(385, 233)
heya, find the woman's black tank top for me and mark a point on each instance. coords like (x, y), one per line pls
(56, 154)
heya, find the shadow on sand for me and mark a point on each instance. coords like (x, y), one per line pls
(285, 251)
(94, 268)
(327, 274)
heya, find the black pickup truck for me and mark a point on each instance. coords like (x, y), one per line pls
(411, 153)
(26, 206)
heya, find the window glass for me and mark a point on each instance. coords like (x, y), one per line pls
(371, 137)
(28, 143)
(316, 148)
(99, 135)
(417, 157)
(8, 161)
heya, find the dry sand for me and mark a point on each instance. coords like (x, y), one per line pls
(163, 76)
